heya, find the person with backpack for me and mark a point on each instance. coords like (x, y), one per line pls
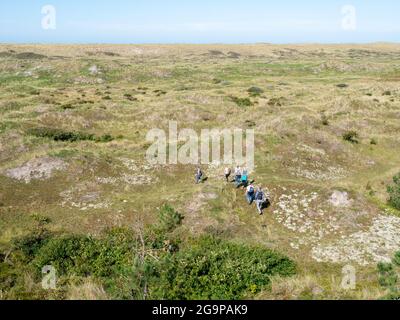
(227, 173)
(199, 175)
(238, 176)
(244, 179)
(260, 199)
(250, 194)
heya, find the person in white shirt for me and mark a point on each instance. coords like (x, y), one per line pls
(238, 176)
(250, 193)
(199, 175)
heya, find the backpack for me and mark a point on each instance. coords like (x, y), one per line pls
(260, 196)
(251, 189)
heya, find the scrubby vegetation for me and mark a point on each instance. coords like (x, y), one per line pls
(69, 136)
(329, 203)
(394, 192)
(132, 265)
(255, 91)
(351, 136)
(389, 277)
(242, 102)
(214, 269)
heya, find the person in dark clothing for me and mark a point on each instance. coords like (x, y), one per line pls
(199, 175)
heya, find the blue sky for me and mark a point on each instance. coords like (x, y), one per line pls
(201, 21)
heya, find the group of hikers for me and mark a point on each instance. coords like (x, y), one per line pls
(241, 180)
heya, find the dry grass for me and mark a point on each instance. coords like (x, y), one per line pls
(89, 289)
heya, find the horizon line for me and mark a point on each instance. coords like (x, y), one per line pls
(194, 43)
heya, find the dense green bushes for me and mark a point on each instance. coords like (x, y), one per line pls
(394, 192)
(145, 263)
(86, 256)
(210, 268)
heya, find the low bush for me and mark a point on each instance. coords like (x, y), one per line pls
(394, 192)
(168, 218)
(87, 256)
(68, 136)
(215, 269)
(389, 277)
(255, 91)
(242, 102)
(396, 259)
(351, 136)
(129, 266)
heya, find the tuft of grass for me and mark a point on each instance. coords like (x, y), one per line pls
(324, 120)
(276, 102)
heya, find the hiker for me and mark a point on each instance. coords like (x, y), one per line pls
(199, 175)
(244, 179)
(260, 199)
(238, 176)
(227, 173)
(250, 194)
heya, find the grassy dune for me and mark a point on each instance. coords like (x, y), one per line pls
(93, 176)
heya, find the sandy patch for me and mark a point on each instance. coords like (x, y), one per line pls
(376, 244)
(36, 169)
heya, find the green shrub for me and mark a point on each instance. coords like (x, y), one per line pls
(214, 269)
(394, 192)
(255, 91)
(388, 278)
(86, 256)
(392, 296)
(351, 136)
(396, 259)
(242, 102)
(168, 218)
(31, 244)
(387, 275)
